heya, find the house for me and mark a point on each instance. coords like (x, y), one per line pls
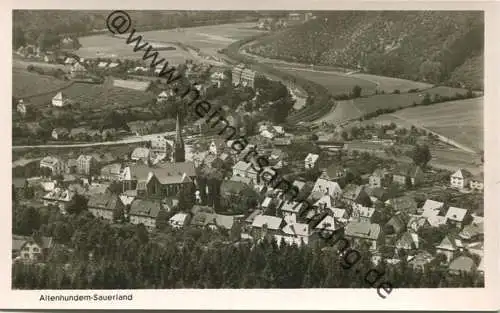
(377, 178)
(460, 179)
(179, 220)
(354, 194)
(59, 197)
(216, 146)
(431, 208)
(415, 222)
(420, 260)
(325, 187)
(266, 224)
(245, 169)
(333, 173)
(233, 188)
(60, 133)
(363, 231)
(70, 60)
(79, 133)
(165, 95)
(27, 248)
(311, 161)
(477, 182)
(326, 202)
(111, 172)
(472, 232)
(139, 128)
(462, 264)
(86, 164)
(376, 194)
(60, 100)
(105, 205)
(408, 241)
(25, 167)
(144, 212)
(22, 107)
(408, 172)
(140, 154)
(298, 231)
(160, 145)
(71, 166)
(242, 76)
(397, 223)
(328, 225)
(213, 221)
(449, 246)
(362, 213)
(54, 164)
(78, 70)
(291, 209)
(456, 216)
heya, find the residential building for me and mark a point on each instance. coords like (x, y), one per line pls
(78, 70)
(377, 178)
(415, 222)
(325, 187)
(353, 194)
(299, 231)
(86, 164)
(404, 204)
(54, 164)
(27, 248)
(71, 166)
(408, 241)
(139, 128)
(245, 169)
(144, 212)
(460, 179)
(230, 188)
(266, 224)
(213, 221)
(111, 172)
(242, 76)
(291, 209)
(140, 154)
(59, 197)
(22, 107)
(408, 172)
(472, 232)
(25, 167)
(397, 223)
(456, 216)
(311, 161)
(420, 260)
(449, 246)
(363, 232)
(165, 96)
(328, 225)
(160, 145)
(60, 133)
(107, 205)
(60, 100)
(179, 220)
(477, 182)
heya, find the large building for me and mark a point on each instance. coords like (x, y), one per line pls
(243, 76)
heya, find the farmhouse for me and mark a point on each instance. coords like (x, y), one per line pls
(460, 179)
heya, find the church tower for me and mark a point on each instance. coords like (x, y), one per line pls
(178, 154)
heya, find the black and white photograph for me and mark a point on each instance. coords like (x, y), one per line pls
(246, 149)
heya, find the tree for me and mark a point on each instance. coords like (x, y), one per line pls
(77, 204)
(345, 136)
(26, 221)
(356, 91)
(427, 99)
(162, 219)
(421, 155)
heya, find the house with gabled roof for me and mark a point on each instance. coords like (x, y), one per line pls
(363, 231)
(60, 100)
(404, 172)
(420, 260)
(265, 224)
(431, 208)
(408, 241)
(291, 209)
(477, 182)
(415, 222)
(449, 246)
(377, 178)
(334, 172)
(326, 187)
(297, 230)
(179, 220)
(397, 223)
(145, 212)
(472, 232)
(245, 169)
(404, 204)
(354, 194)
(328, 225)
(311, 161)
(326, 202)
(456, 216)
(460, 179)
(105, 205)
(30, 249)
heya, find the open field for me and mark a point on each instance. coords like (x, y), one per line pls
(98, 96)
(460, 121)
(389, 84)
(26, 84)
(206, 38)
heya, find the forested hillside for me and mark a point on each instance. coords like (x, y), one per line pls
(437, 46)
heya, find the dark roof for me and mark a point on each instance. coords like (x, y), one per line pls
(231, 186)
(147, 208)
(19, 241)
(104, 201)
(404, 204)
(462, 263)
(397, 222)
(332, 171)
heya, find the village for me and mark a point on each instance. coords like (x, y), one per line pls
(135, 158)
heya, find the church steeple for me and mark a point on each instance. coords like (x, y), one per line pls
(179, 154)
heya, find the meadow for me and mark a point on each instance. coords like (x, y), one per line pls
(206, 38)
(26, 84)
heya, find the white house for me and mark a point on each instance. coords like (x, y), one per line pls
(326, 187)
(311, 161)
(60, 100)
(477, 182)
(460, 179)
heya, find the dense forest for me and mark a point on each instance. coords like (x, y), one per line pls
(433, 46)
(93, 254)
